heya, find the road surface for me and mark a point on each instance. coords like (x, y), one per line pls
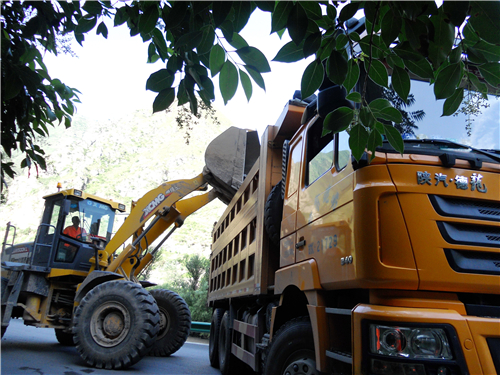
(35, 351)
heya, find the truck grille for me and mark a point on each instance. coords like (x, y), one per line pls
(470, 209)
(466, 234)
(481, 262)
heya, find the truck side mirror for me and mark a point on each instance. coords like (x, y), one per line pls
(66, 206)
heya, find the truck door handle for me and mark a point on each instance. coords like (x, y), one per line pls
(300, 244)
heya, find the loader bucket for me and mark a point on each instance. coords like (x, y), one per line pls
(229, 158)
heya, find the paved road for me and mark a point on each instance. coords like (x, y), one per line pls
(29, 350)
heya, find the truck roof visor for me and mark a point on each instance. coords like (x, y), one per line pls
(309, 112)
(332, 98)
(229, 158)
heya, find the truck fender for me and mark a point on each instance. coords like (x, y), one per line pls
(95, 278)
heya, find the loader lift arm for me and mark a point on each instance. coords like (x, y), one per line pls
(164, 206)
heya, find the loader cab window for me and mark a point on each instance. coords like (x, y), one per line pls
(94, 220)
(319, 152)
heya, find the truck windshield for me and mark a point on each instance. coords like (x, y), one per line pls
(95, 220)
(476, 124)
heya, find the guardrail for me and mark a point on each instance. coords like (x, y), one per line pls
(200, 327)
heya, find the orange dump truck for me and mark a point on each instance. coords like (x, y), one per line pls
(324, 264)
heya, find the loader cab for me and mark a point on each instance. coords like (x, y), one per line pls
(73, 225)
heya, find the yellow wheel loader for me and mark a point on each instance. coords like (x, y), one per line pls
(81, 281)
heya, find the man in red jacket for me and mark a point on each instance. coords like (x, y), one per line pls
(75, 230)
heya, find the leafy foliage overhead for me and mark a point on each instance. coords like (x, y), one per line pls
(453, 46)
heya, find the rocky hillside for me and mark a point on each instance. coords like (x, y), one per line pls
(120, 160)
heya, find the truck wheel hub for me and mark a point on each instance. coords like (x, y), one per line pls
(304, 366)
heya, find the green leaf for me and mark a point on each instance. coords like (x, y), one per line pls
(491, 73)
(338, 120)
(237, 41)
(312, 78)
(290, 52)
(312, 9)
(242, 11)
(147, 20)
(121, 16)
(161, 45)
(311, 44)
(189, 40)
(341, 42)
(297, 23)
(391, 26)
(160, 80)
(406, 52)
(480, 86)
(92, 7)
(228, 81)
(337, 67)
(394, 138)
(453, 102)
(163, 100)
(85, 24)
(394, 60)
(484, 19)
(280, 15)
(378, 73)
(390, 114)
(175, 15)
(447, 81)
(256, 76)
(358, 138)
(348, 11)
(217, 59)
(489, 51)
(378, 105)
(374, 140)
(207, 87)
(456, 11)
(207, 40)
(372, 46)
(401, 82)
(253, 57)
(354, 97)
(221, 10)
(456, 55)
(103, 30)
(421, 68)
(246, 83)
(352, 75)
(366, 117)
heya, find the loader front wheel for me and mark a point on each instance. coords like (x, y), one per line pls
(64, 338)
(116, 324)
(175, 323)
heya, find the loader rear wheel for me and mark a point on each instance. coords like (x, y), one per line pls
(116, 324)
(175, 323)
(213, 342)
(64, 338)
(5, 282)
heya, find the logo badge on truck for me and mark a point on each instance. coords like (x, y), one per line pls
(461, 182)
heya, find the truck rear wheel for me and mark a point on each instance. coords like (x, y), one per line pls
(292, 350)
(226, 359)
(64, 338)
(116, 324)
(175, 323)
(213, 343)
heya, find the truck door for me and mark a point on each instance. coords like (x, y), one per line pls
(290, 203)
(324, 214)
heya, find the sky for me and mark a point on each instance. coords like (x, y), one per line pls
(111, 74)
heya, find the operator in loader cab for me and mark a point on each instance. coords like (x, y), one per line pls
(74, 230)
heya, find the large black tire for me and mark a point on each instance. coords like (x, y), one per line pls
(292, 350)
(64, 338)
(213, 342)
(116, 324)
(273, 212)
(5, 281)
(226, 359)
(175, 323)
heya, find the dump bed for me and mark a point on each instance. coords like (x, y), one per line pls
(243, 261)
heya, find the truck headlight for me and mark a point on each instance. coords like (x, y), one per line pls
(409, 342)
